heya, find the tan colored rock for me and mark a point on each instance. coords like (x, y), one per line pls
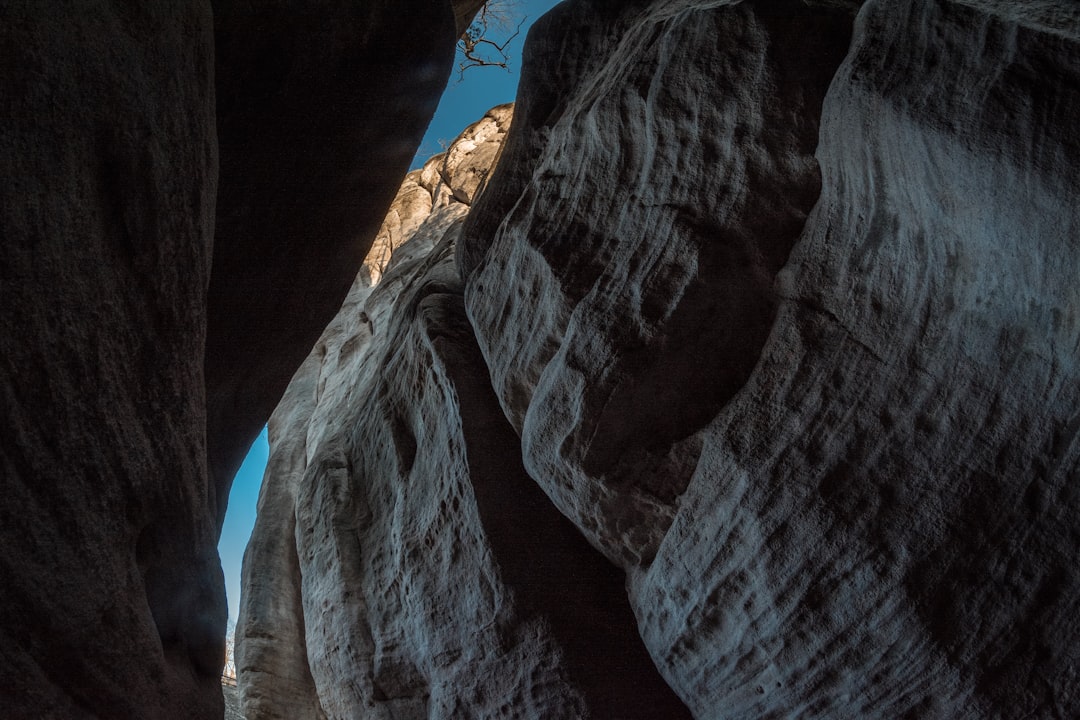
(474, 153)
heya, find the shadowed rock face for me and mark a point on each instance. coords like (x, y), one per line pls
(898, 477)
(111, 599)
(320, 107)
(670, 173)
(847, 488)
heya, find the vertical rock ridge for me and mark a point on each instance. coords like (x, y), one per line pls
(659, 205)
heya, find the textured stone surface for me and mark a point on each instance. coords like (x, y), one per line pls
(320, 108)
(111, 599)
(753, 368)
(397, 534)
(901, 472)
(664, 195)
(850, 491)
(780, 305)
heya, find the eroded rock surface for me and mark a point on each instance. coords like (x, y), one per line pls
(777, 305)
(847, 489)
(117, 365)
(746, 386)
(901, 472)
(397, 535)
(666, 189)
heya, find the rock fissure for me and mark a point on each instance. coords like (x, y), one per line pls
(731, 374)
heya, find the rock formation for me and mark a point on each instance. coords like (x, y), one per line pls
(320, 108)
(394, 570)
(111, 598)
(770, 309)
(745, 385)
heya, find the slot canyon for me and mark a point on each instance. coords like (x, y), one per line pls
(731, 372)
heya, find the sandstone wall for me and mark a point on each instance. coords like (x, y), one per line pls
(111, 598)
(139, 352)
(395, 570)
(765, 322)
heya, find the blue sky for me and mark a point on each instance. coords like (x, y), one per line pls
(464, 102)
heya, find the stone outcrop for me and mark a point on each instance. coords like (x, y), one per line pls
(118, 366)
(768, 308)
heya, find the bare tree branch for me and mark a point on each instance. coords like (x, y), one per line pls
(477, 46)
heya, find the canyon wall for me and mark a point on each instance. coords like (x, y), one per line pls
(140, 349)
(746, 385)
(111, 598)
(394, 570)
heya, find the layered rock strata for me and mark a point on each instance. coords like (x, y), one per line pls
(777, 305)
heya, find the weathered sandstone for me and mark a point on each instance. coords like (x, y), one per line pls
(117, 442)
(780, 306)
(847, 489)
(111, 597)
(745, 386)
(395, 561)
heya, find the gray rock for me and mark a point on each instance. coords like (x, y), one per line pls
(423, 590)
(745, 386)
(900, 473)
(847, 489)
(628, 287)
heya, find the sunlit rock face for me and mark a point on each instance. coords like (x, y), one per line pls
(404, 564)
